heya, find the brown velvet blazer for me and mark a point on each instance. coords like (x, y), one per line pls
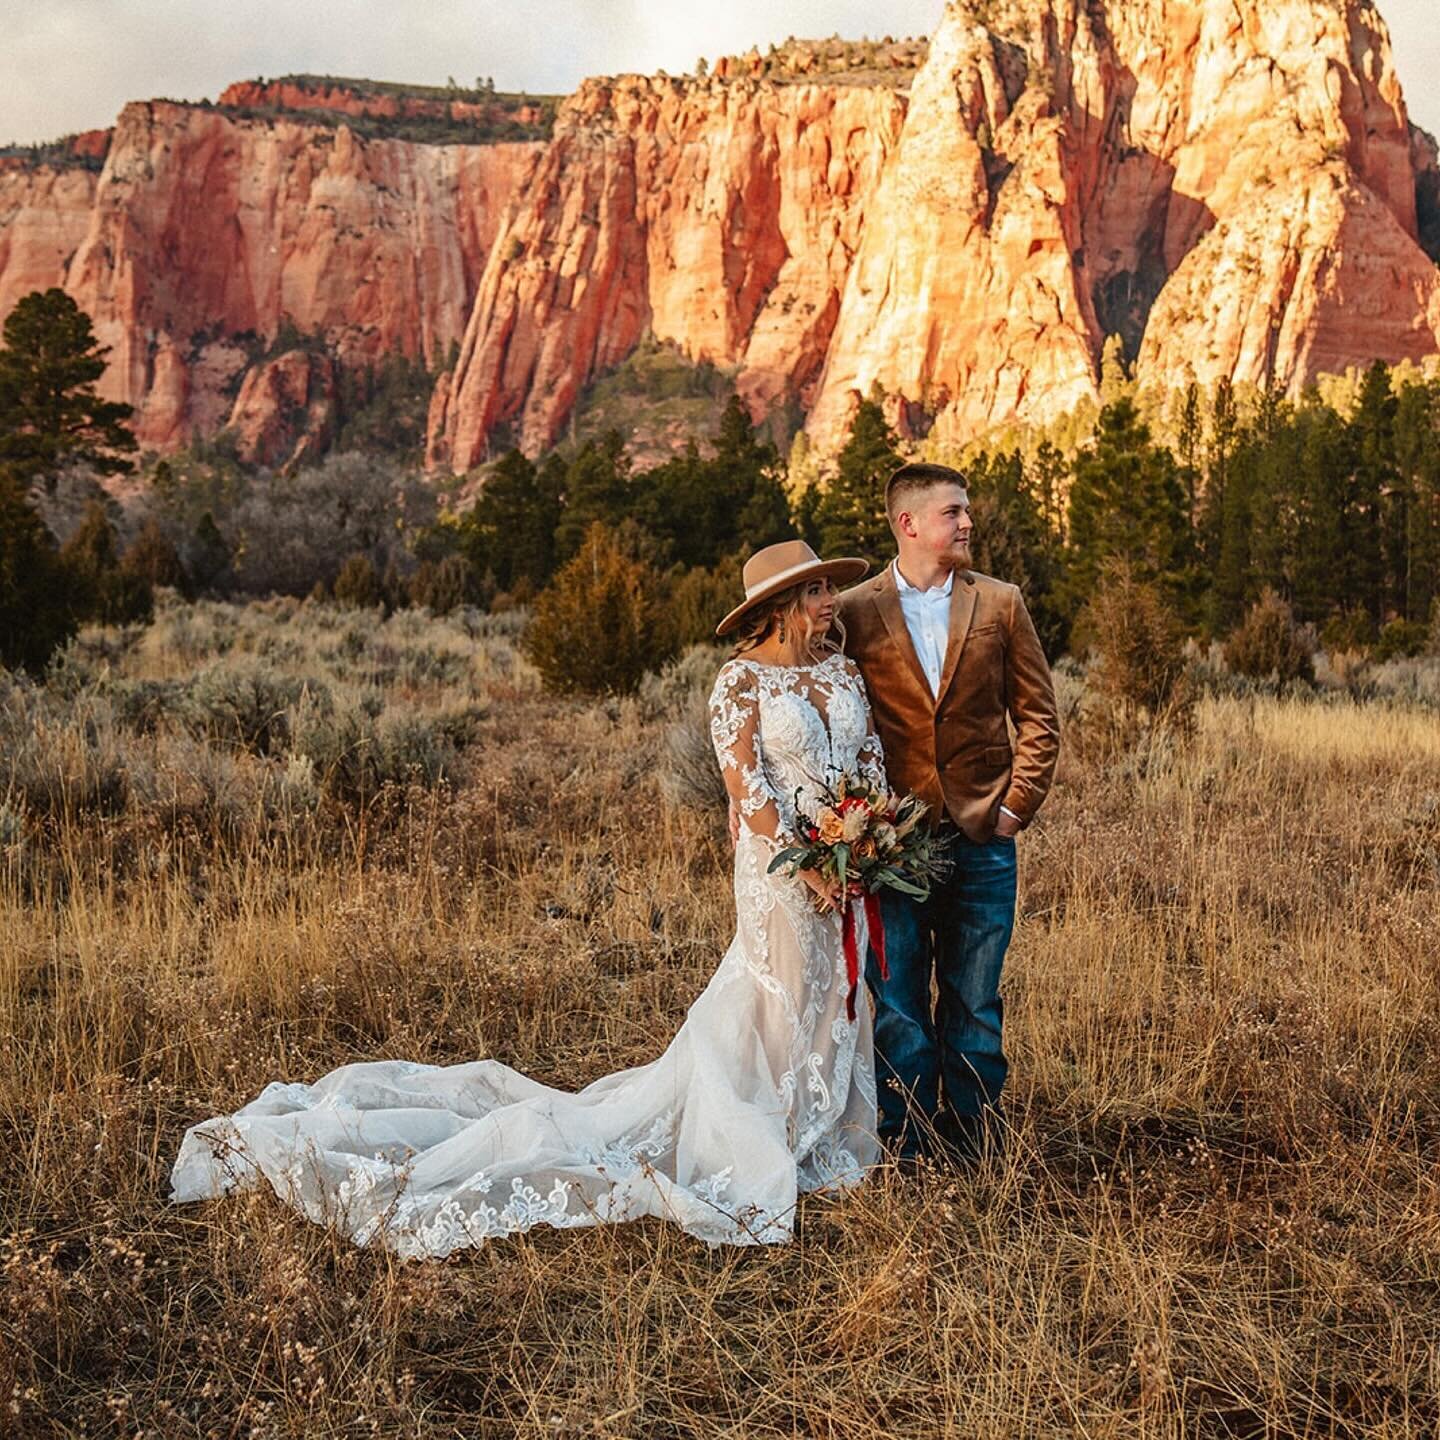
(955, 752)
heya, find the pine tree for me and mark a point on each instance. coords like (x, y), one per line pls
(1187, 448)
(599, 626)
(1417, 454)
(1014, 541)
(49, 411)
(509, 533)
(1323, 584)
(1376, 509)
(34, 616)
(597, 491)
(850, 515)
(1126, 505)
(101, 588)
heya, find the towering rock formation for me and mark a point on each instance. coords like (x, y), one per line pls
(45, 206)
(207, 231)
(720, 215)
(1231, 185)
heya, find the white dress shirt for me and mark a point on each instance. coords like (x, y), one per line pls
(927, 618)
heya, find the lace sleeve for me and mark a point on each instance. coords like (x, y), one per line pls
(734, 728)
(870, 758)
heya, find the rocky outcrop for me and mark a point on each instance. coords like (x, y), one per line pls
(45, 212)
(205, 233)
(302, 93)
(720, 215)
(1232, 186)
(285, 411)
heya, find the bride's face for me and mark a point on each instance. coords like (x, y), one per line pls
(818, 604)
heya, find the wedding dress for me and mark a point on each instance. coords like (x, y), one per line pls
(766, 1091)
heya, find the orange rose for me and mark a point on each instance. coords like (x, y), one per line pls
(865, 849)
(832, 827)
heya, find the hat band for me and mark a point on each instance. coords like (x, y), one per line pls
(769, 580)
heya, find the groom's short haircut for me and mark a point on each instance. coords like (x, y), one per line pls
(912, 480)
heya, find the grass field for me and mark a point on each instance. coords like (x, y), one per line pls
(249, 844)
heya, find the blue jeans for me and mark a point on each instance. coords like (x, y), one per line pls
(960, 935)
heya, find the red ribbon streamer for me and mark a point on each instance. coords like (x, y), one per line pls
(876, 925)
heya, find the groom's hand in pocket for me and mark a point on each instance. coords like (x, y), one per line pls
(1007, 824)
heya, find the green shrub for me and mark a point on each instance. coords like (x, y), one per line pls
(357, 586)
(701, 598)
(441, 586)
(1138, 647)
(1268, 644)
(1351, 631)
(600, 625)
(1401, 640)
(101, 586)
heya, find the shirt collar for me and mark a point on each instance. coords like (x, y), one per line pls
(905, 587)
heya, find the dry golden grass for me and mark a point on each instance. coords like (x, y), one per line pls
(1219, 1214)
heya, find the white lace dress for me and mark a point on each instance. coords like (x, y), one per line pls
(766, 1091)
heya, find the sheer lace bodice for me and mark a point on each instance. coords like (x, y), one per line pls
(816, 725)
(767, 1089)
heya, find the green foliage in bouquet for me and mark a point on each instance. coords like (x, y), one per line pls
(864, 834)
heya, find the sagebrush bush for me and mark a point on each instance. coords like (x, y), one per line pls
(671, 689)
(1268, 644)
(355, 747)
(600, 626)
(61, 764)
(246, 702)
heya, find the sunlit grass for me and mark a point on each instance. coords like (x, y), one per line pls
(1219, 1212)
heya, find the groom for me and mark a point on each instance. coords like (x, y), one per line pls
(947, 655)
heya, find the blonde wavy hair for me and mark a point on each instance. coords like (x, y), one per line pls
(789, 605)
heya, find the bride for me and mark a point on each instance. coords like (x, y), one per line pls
(767, 1090)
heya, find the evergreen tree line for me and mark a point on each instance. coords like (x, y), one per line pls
(1333, 513)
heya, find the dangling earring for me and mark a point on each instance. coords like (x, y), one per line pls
(782, 629)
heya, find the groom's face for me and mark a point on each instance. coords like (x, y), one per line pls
(941, 525)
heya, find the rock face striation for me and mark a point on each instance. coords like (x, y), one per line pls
(722, 216)
(206, 234)
(1232, 186)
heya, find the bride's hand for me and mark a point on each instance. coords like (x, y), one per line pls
(826, 890)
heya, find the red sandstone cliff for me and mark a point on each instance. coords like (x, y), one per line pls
(1229, 184)
(720, 215)
(204, 231)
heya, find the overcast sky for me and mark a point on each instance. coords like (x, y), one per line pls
(70, 64)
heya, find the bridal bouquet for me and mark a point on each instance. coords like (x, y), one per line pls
(866, 838)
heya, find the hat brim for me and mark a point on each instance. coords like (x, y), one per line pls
(845, 570)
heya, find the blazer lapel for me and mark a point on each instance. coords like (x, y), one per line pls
(962, 612)
(887, 602)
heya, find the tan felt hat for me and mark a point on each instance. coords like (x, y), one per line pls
(777, 567)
